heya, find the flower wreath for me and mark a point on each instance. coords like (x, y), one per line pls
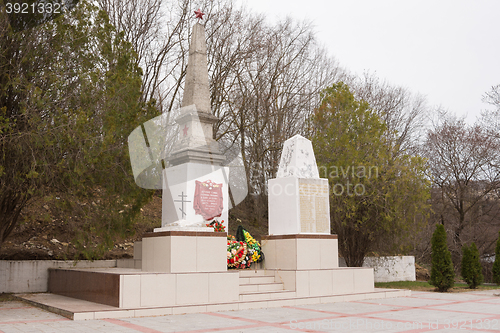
(239, 259)
(236, 253)
(254, 247)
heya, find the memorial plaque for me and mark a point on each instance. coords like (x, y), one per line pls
(307, 214)
(322, 214)
(208, 199)
(314, 209)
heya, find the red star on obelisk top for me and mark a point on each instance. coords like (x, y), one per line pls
(185, 129)
(199, 14)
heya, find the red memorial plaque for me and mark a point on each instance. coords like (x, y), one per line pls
(208, 199)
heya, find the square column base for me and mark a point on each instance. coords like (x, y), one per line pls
(184, 252)
(301, 252)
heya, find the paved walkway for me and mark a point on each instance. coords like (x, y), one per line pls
(422, 312)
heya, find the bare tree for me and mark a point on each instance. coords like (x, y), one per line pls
(265, 83)
(464, 164)
(403, 112)
(158, 31)
(491, 118)
(493, 96)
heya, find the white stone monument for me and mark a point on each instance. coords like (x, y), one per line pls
(298, 198)
(195, 185)
(300, 244)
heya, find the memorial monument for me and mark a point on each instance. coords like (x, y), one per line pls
(195, 185)
(298, 198)
(182, 266)
(300, 246)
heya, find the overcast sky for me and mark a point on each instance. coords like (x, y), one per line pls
(448, 51)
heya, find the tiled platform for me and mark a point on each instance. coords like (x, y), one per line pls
(84, 310)
(476, 311)
(127, 288)
(174, 285)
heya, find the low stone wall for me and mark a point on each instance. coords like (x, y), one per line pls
(390, 269)
(30, 276)
(26, 276)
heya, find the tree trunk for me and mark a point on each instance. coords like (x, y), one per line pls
(11, 205)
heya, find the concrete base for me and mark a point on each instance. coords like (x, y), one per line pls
(309, 265)
(131, 288)
(186, 272)
(83, 310)
(177, 268)
(300, 252)
(139, 294)
(184, 252)
(188, 269)
(328, 282)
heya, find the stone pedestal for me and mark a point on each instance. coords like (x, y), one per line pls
(298, 206)
(178, 211)
(309, 265)
(184, 252)
(301, 252)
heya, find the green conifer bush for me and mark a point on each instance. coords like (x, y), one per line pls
(471, 266)
(442, 273)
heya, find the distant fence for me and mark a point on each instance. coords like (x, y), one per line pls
(389, 269)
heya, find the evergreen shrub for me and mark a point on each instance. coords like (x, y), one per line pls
(442, 273)
(471, 266)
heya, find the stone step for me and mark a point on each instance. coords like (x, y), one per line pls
(259, 285)
(253, 272)
(246, 288)
(77, 309)
(267, 296)
(256, 280)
